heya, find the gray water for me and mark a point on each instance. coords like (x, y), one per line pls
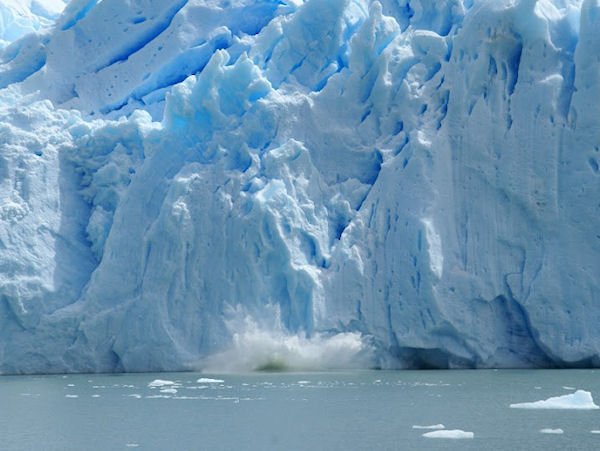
(370, 410)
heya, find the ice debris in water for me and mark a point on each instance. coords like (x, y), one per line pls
(450, 434)
(432, 426)
(581, 399)
(160, 383)
(208, 380)
(552, 431)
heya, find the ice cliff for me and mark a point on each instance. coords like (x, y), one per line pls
(188, 184)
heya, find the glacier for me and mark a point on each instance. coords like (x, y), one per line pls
(243, 184)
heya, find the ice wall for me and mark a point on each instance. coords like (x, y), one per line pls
(399, 184)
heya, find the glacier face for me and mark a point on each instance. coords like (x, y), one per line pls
(228, 184)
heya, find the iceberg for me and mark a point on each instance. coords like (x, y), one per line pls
(455, 434)
(188, 184)
(581, 400)
(552, 431)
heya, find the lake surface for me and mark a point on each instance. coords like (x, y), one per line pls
(367, 410)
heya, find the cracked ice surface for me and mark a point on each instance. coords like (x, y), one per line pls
(419, 179)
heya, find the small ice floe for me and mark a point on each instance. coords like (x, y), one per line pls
(537, 388)
(581, 399)
(449, 433)
(70, 385)
(169, 390)
(135, 395)
(568, 388)
(132, 445)
(71, 396)
(551, 431)
(431, 426)
(595, 431)
(95, 396)
(303, 382)
(160, 383)
(208, 380)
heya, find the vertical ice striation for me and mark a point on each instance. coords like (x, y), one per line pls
(300, 183)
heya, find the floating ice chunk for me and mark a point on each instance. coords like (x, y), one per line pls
(71, 396)
(581, 399)
(552, 431)
(569, 388)
(451, 433)
(95, 396)
(208, 380)
(169, 390)
(303, 382)
(132, 445)
(160, 383)
(136, 395)
(432, 426)
(595, 431)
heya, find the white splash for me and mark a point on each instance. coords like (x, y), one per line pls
(255, 348)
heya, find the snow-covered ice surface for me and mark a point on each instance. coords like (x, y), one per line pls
(581, 399)
(19, 17)
(397, 184)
